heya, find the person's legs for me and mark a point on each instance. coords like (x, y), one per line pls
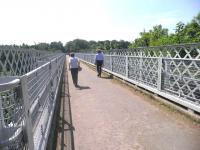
(100, 67)
(100, 71)
(76, 76)
(74, 73)
(97, 69)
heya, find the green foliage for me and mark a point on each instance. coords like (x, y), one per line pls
(188, 33)
(79, 45)
(53, 46)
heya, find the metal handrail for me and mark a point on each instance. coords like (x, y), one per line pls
(17, 115)
(9, 85)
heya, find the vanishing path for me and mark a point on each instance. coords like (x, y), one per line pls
(109, 116)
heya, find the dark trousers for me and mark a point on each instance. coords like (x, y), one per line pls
(99, 64)
(74, 72)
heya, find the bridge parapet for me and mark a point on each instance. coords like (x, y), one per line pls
(27, 101)
(15, 61)
(169, 71)
(190, 51)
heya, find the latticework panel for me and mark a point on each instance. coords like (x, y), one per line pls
(30, 100)
(144, 70)
(107, 62)
(90, 58)
(119, 64)
(182, 78)
(16, 61)
(172, 51)
(134, 68)
(80, 56)
(11, 118)
(149, 71)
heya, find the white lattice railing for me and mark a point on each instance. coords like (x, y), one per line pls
(188, 51)
(171, 71)
(27, 102)
(16, 61)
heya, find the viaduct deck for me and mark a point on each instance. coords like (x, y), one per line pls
(107, 115)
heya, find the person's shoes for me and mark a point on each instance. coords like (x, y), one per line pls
(77, 86)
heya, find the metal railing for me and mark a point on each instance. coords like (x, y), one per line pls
(169, 71)
(27, 102)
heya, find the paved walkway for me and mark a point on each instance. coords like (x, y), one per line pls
(109, 116)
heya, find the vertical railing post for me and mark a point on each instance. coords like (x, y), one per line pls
(126, 66)
(111, 66)
(28, 123)
(159, 82)
(2, 123)
(140, 78)
(50, 87)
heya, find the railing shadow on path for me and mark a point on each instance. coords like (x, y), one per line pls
(107, 77)
(65, 128)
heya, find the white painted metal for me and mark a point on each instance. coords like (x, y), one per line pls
(30, 99)
(28, 123)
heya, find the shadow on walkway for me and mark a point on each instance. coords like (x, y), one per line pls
(107, 77)
(82, 87)
(65, 135)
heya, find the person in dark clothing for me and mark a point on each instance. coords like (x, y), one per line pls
(74, 65)
(99, 61)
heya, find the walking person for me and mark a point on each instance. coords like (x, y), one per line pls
(99, 61)
(74, 66)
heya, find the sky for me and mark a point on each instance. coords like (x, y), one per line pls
(36, 21)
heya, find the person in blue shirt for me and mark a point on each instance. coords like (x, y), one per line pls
(99, 61)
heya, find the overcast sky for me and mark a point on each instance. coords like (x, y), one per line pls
(35, 21)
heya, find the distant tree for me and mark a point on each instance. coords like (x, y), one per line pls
(42, 46)
(123, 44)
(159, 36)
(179, 32)
(55, 46)
(114, 44)
(69, 46)
(25, 46)
(107, 45)
(158, 33)
(192, 31)
(92, 45)
(100, 44)
(77, 45)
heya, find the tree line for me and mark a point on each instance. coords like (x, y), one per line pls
(79, 45)
(157, 36)
(53, 46)
(184, 33)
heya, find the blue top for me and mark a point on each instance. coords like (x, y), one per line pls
(99, 56)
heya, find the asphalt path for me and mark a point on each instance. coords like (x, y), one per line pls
(109, 116)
